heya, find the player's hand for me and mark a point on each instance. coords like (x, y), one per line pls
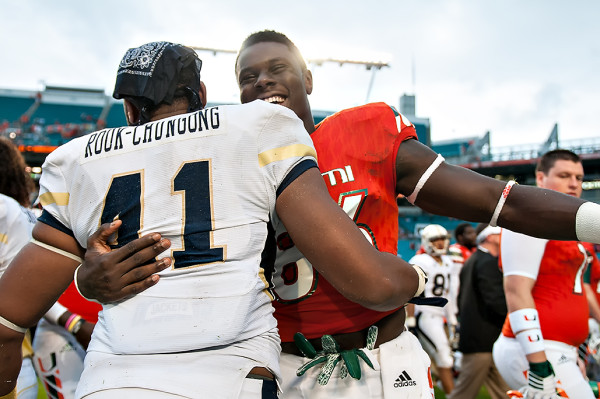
(112, 275)
(518, 394)
(539, 387)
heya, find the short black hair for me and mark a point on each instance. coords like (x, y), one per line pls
(460, 229)
(265, 36)
(547, 161)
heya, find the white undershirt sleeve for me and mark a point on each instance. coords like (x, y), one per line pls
(521, 254)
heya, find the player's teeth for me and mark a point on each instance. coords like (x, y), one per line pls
(276, 99)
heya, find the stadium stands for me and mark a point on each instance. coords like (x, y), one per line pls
(14, 106)
(40, 121)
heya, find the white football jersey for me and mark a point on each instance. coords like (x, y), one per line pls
(208, 181)
(439, 283)
(16, 223)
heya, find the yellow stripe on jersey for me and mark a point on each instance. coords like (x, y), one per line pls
(278, 154)
(3, 238)
(261, 275)
(60, 199)
(26, 347)
(11, 395)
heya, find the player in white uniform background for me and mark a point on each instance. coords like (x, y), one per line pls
(16, 223)
(430, 320)
(59, 345)
(209, 180)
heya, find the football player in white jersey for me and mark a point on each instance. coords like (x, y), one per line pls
(430, 320)
(16, 223)
(209, 180)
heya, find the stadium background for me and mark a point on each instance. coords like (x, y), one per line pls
(39, 121)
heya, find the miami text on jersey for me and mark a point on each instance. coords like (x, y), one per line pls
(113, 139)
(345, 175)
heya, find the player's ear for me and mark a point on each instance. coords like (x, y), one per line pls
(308, 82)
(202, 93)
(132, 114)
(539, 178)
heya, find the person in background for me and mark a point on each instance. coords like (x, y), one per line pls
(16, 223)
(482, 310)
(547, 307)
(459, 252)
(465, 244)
(430, 322)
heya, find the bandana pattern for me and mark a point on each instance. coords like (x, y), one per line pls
(142, 60)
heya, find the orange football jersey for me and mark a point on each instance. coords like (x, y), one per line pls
(558, 294)
(356, 151)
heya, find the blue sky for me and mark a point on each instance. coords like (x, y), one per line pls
(513, 67)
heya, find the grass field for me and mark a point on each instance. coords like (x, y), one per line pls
(41, 392)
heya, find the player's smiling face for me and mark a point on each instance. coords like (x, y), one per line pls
(269, 71)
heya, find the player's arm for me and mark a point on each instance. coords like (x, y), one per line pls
(32, 283)
(517, 290)
(592, 301)
(463, 194)
(587, 285)
(335, 246)
(525, 324)
(81, 329)
(522, 257)
(451, 307)
(411, 320)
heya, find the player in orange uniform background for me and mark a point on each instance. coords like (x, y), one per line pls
(547, 305)
(465, 244)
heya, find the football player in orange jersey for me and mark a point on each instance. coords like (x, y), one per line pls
(547, 305)
(589, 351)
(465, 243)
(270, 68)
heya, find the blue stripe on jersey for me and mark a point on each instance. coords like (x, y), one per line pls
(294, 173)
(267, 256)
(51, 221)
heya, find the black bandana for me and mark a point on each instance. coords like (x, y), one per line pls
(151, 72)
